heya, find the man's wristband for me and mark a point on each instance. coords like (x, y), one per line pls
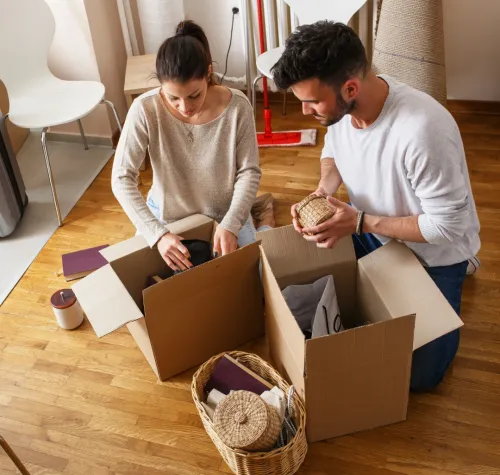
(359, 225)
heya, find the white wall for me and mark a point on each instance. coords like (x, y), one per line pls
(158, 19)
(472, 36)
(215, 17)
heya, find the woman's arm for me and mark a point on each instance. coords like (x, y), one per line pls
(248, 173)
(130, 154)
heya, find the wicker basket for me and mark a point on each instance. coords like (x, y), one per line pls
(314, 210)
(283, 461)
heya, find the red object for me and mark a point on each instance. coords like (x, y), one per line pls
(268, 137)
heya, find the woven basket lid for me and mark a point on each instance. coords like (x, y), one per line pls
(244, 421)
(314, 210)
(306, 201)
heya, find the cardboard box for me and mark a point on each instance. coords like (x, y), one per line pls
(357, 379)
(186, 319)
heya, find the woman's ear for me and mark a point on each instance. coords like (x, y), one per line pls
(210, 72)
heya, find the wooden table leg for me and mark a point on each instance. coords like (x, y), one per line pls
(13, 456)
(129, 98)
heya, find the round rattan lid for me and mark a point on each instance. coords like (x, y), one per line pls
(306, 201)
(244, 421)
(314, 210)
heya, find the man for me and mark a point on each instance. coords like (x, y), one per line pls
(400, 156)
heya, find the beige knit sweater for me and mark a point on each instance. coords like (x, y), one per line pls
(217, 174)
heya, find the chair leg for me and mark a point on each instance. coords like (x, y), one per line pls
(254, 94)
(285, 96)
(51, 177)
(82, 133)
(15, 459)
(113, 108)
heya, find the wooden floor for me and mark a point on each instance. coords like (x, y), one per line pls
(74, 404)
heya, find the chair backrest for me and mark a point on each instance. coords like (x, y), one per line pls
(311, 11)
(27, 29)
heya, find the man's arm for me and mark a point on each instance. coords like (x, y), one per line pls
(330, 177)
(344, 222)
(406, 229)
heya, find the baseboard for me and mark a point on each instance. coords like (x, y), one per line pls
(473, 107)
(76, 138)
(456, 106)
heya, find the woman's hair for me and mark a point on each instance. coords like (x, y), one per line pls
(184, 56)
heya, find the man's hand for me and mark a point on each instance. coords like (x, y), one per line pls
(225, 241)
(319, 192)
(174, 253)
(341, 224)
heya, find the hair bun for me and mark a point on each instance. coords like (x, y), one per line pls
(188, 28)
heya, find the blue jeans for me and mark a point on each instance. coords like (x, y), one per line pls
(246, 234)
(430, 361)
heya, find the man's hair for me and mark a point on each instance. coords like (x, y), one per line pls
(329, 51)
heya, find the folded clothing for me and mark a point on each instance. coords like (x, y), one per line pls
(200, 251)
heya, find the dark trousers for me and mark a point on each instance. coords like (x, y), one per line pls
(430, 361)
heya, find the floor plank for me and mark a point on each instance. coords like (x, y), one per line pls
(76, 405)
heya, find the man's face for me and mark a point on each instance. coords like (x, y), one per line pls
(321, 101)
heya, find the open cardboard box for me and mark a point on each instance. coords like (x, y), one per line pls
(357, 379)
(186, 319)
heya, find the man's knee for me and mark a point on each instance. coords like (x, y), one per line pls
(431, 361)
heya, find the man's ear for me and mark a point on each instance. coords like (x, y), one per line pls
(351, 88)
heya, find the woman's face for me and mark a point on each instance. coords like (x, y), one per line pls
(187, 98)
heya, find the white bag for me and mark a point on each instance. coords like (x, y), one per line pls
(315, 307)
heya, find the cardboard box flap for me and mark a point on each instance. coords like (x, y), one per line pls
(290, 255)
(406, 288)
(279, 316)
(215, 307)
(123, 248)
(188, 228)
(105, 301)
(358, 379)
(196, 226)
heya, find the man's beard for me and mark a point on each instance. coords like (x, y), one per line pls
(343, 108)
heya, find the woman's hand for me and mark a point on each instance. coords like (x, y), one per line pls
(174, 253)
(225, 241)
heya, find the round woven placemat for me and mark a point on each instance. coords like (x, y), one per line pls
(244, 421)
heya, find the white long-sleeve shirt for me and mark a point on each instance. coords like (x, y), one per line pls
(409, 162)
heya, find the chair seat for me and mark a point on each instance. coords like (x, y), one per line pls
(52, 101)
(268, 59)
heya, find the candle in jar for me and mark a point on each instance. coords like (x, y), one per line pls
(67, 309)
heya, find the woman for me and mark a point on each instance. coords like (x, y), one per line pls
(203, 151)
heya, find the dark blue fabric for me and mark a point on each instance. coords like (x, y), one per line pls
(431, 361)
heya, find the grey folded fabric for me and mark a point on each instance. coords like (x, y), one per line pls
(315, 307)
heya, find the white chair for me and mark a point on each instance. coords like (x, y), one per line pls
(39, 100)
(307, 12)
